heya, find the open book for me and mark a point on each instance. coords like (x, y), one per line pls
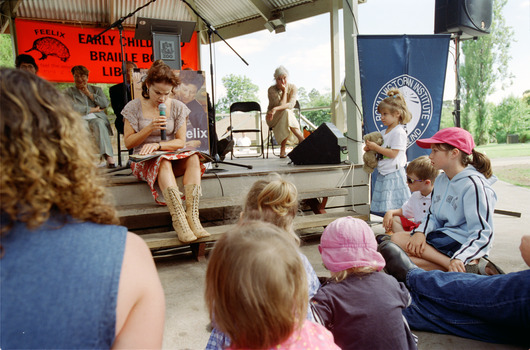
(137, 158)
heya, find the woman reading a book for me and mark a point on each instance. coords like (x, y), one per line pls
(143, 126)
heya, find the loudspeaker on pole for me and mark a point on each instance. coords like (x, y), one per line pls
(469, 18)
(323, 146)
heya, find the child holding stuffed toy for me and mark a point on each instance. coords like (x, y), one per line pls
(420, 178)
(359, 304)
(390, 189)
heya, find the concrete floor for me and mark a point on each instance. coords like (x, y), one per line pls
(183, 278)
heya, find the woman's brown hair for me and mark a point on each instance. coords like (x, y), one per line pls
(47, 156)
(256, 286)
(480, 161)
(159, 73)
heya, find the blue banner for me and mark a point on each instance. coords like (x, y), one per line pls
(416, 65)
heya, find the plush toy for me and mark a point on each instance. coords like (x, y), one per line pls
(370, 157)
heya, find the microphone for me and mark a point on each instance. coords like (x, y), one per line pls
(162, 110)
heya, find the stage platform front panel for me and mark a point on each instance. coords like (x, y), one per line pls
(326, 192)
(234, 182)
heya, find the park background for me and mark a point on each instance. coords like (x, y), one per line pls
(500, 108)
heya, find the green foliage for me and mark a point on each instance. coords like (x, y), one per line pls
(511, 116)
(7, 59)
(239, 88)
(485, 63)
(315, 99)
(447, 119)
(524, 136)
(526, 97)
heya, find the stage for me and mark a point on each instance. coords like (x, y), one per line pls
(326, 192)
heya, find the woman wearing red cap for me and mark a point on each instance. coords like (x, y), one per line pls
(458, 229)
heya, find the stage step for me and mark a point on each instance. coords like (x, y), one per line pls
(136, 216)
(167, 240)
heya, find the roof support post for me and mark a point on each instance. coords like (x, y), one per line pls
(352, 83)
(337, 118)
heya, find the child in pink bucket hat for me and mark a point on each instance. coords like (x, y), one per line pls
(359, 301)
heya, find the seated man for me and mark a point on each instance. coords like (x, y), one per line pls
(90, 102)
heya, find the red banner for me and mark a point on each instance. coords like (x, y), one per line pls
(58, 47)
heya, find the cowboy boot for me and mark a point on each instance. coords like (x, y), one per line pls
(178, 215)
(193, 192)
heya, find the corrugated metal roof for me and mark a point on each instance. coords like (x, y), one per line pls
(103, 12)
(233, 17)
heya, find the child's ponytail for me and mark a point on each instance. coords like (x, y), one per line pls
(482, 163)
(395, 102)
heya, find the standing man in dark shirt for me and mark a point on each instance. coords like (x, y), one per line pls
(117, 99)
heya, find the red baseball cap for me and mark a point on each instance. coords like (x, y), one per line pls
(456, 137)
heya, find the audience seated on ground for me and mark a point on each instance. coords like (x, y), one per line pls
(358, 301)
(420, 179)
(493, 309)
(274, 201)
(71, 278)
(457, 233)
(256, 291)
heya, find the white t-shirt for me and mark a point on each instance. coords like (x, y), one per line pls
(243, 141)
(416, 208)
(395, 139)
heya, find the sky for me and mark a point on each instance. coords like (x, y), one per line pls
(304, 48)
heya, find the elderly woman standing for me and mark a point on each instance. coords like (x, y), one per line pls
(142, 130)
(91, 103)
(280, 115)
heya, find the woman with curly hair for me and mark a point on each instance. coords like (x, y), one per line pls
(70, 277)
(142, 131)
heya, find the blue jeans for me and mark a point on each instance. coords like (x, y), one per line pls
(488, 308)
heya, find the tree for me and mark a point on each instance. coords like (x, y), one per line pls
(6, 51)
(239, 88)
(485, 63)
(447, 119)
(511, 116)
(315, 99)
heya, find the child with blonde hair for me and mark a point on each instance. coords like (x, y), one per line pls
(420, 179)
(390, 190)
(256, 287)
(361, 306)
(274, 201)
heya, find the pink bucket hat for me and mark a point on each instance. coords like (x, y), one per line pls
(456, 137)
(348, 242)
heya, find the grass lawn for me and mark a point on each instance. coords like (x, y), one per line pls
(505, 150)
(516, 174)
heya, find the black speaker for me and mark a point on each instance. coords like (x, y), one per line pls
(321, 147)
(470, 18)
